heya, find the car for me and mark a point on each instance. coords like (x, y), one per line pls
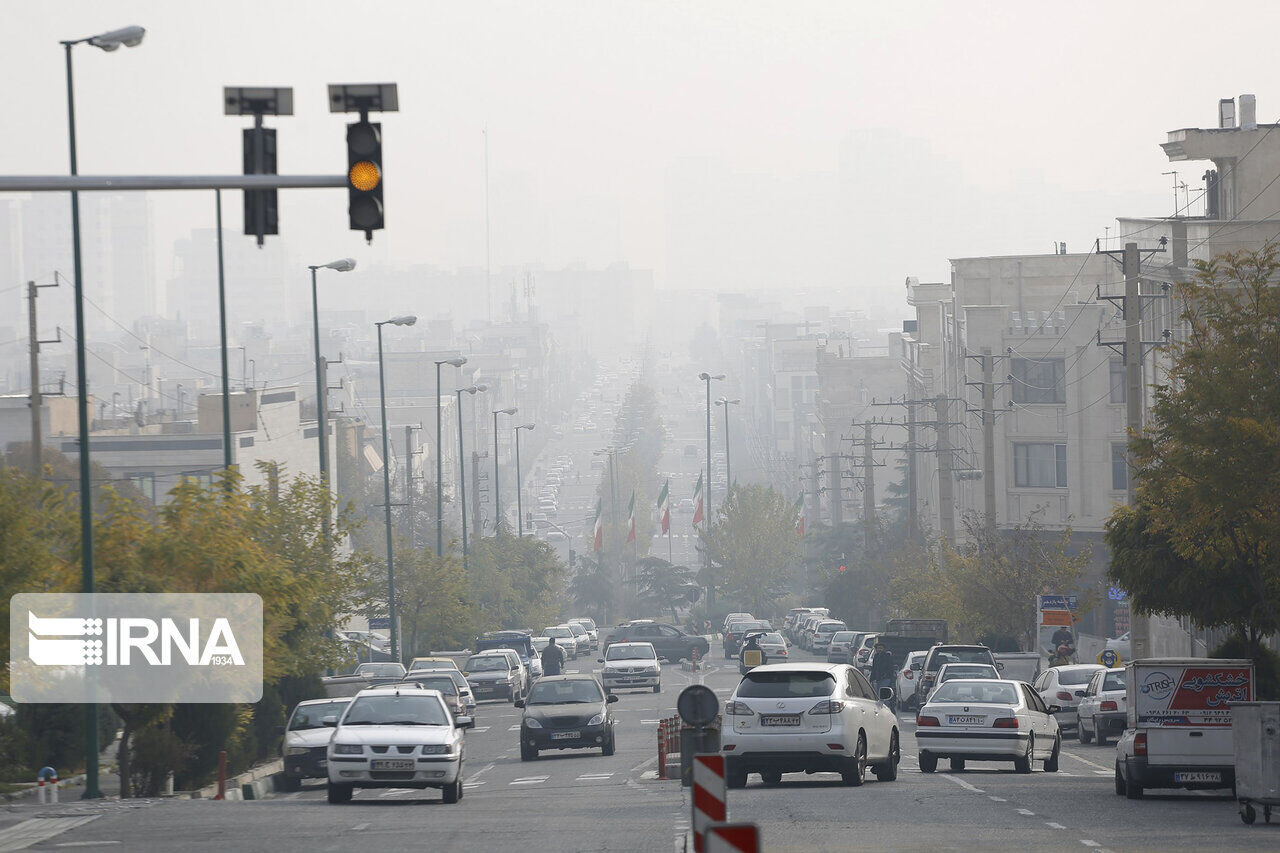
(811, 718)
(441, 682)
(589, 626)
(424, 663)
(429, 748)
(566, 712)
(1121, 646)
(951, 671)
(631, 666)
(945, 653)
(1064, 686)
(555, 536)
(862, 653)
(823, 632)
(1104, 707)
(987, 720)
(581, 636)
(494, 675)
(565, 638)
(668, 641)
(516, 641)
(459, 680)
(736, 631)
(385, 670)
(685, 505)
(306, 741)
(839, 649)
(369, 638)
(908, 672)
(774, 647)
(735, 617)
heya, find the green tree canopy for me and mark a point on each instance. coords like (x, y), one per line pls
(752, 543)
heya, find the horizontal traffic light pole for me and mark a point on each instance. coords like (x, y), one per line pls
(88, 183)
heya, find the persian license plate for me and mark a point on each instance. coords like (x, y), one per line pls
(965, 720)
(391, 764)
(565, 735)
(1197, 776)
(779, 719)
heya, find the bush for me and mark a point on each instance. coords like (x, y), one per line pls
(1266, 665)
(157, 751)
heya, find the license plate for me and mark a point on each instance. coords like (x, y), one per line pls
(565, 735)
(1197, 776)
(779, 719)
(959, 720)
(391, 764)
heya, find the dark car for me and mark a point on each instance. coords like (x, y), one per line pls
(566, 712)
(944, 654)
(735, 632)
(492, 675)
(442, 681)
(668, 641)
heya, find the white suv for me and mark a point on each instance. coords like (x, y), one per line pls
(631, 666)
(396, 737)
(813, 717)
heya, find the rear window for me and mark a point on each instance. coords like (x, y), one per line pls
(1075, 676)
(971, 671)
(832, 626)
(976, 691)
(786, 685)
(842, 637)
(960, 656)
(1113, 681)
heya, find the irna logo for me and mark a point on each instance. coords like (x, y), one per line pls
(92, 641)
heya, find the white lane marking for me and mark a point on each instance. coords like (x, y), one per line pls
(470, 785)
(484, 769)
(85, 843)
(1053, 825)
(1103, 772)
(514, 728)
(997, 799)
(586, 777)
(528, 780)
(478, 729)
(1089, 842)
(1092, 764)
(648, 722)
(360, 827)
(391, 792)
(37, 829)
(644, 764)
(960, 782)
(1026, 812)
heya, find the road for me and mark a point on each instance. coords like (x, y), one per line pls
(585, 801)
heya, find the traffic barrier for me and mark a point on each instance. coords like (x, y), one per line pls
(47, 785)
(668, 743)
(709, 796)
(222, 775)
(732, 838)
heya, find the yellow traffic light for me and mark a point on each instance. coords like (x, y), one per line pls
(364, 175)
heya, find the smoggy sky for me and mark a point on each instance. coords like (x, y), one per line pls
(722, 144)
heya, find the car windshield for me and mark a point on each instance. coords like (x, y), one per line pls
(381, 670)
(438, 682)
(772, 639)
(630, 652)
(961, 656)
(969, 671)
(1113, 681)
(786, 685)
(401, 710)
(559, 633)
(1075, 676)
(487, 663)
(432, 664)
(312, 716)
(576, 691)
(976, 691)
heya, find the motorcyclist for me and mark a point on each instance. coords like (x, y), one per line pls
(751, 655)
(883, 669)
(552, 658)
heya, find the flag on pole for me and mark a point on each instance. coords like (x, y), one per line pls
(598, 533)
(800, 516)
(697, 500)
(664, 506)
(631, 518)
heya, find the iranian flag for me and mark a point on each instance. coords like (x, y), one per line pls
(664, 506)
(598, 533)
(697, 500)
(800, 516)
(631, 518)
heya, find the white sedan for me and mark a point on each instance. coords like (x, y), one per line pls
(1064, 686)
(987, 720)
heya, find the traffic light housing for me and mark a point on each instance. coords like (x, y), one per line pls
(364, 177)
(261, 207)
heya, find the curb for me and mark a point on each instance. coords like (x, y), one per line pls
(253, 784)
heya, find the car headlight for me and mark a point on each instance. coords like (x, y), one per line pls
(347, 749)
(532, 723)
(596, 720)
(655, 668)
(296, 750)
(437, 749)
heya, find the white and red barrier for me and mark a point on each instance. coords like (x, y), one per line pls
(47, 786)
(709, 797)
(732, 838)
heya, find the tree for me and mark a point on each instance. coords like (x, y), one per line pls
(593, 589)
(1202, 537)
(662, 586)
(433, 602)
(752, 543)
(516, 580)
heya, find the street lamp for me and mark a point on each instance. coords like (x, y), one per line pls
(497, 498)
(386, 478)
(519, 482)
(728, 476)
(109, 41)
(711, 591)
(462, 469)
(456, 362)
(322, 426)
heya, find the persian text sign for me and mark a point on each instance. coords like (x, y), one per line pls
(136, 647)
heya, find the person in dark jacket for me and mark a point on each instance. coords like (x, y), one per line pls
(751, 655)
(552, 659)
(883, 668)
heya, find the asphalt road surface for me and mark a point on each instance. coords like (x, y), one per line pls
(583, 801)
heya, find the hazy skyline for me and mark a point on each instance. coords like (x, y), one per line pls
(840, 143)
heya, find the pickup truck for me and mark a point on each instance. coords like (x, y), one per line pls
(1179, 723)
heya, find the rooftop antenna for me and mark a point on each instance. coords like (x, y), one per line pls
(1175, 190)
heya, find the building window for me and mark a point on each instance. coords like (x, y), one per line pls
(1119, 468)
(146, 483)
(1039, 380)
(1040, 465)
(1117, 380)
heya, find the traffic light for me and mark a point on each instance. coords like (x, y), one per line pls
(842, 568)
(261, 208)
(364, 177)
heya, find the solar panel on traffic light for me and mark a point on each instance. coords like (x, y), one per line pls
(364, 177)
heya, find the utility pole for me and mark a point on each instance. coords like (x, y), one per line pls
(837, 491)
(988, 439)
(868, 489)
(408, 482)
(913, 488)
(946, 503)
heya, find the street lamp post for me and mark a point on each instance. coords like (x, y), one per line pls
(706, 519)
(456, 362)
(497, 497)
(322, 425)
(728, 470)
(386, 481)
(109, 41)
(519, 482)
(462, 470)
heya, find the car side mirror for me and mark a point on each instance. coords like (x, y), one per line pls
(610, 699)
(1053, 709)
(1000, 665)
(331, 720)
(464, 722)
(599, 660)
(886, 694)
(519, 703)
(279, 730)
